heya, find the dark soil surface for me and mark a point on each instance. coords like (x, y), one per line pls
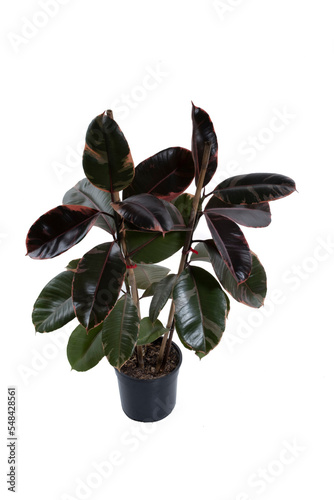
(151, 352)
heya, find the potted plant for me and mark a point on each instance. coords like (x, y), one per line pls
(153, 219)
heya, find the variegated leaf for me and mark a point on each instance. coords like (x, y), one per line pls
(107, 159)
(254, 188)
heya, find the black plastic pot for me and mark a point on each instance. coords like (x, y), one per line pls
(149, 400)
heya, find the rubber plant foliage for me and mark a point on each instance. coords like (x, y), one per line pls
(153, 219)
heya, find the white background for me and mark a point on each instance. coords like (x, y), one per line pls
(269, 384)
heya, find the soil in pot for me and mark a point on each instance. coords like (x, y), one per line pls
(151, 352)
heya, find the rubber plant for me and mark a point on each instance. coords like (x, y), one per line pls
(152, 220)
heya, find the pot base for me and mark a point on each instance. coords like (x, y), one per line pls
(149, 400)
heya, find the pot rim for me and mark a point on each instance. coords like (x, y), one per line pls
(164, 377)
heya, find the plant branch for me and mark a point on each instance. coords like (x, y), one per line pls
(132, 285)
(185, 251)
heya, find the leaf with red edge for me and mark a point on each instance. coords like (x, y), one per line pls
(251, 292)
(107, 159)
(256, 215)
(165, 175)
(58, 230)
(231, 244)
(97, 282)
(254, 188)
(203, 131)
(147, 212)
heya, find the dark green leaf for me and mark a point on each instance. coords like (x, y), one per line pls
(84, 350)
(120, 331)
(200, 309)
(97, 283)
(150, 248)
(146, 212)
(58, 230)
(255, 215)
(149, 331)
(162, 293)
(164, 175)
(84, 193)
(231, 244)
(203, 132)
(251, 292)
(254, 188)
(54, 308)
(147, 274)
(107, 160)
(184, 204)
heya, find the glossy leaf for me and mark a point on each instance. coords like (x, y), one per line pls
(255, 215)
(84, 193)
(203, 131)
(58, 230)
(84, 350)
(184, 205)
(254, 188)
(53, 307)
(176, 216)
(149, 248)
(149, 331)
(200, 309)
(145, 211)
(251, 292)
(231, 245)
(97, 283)
(147, 274)
(120, 331)
(164, 175)
(162, 293)
(107, 159)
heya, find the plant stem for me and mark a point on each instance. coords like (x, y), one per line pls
(135, 297)
(132, 283)
(187, 245)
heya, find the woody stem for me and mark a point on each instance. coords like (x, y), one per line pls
(187, 245)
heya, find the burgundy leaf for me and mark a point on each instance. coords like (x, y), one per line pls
(203, 132)
(147, 212)
(256, 215)
(254, 188)
(107, 159)
(58, 230)
(231, 244)
(165, 175)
